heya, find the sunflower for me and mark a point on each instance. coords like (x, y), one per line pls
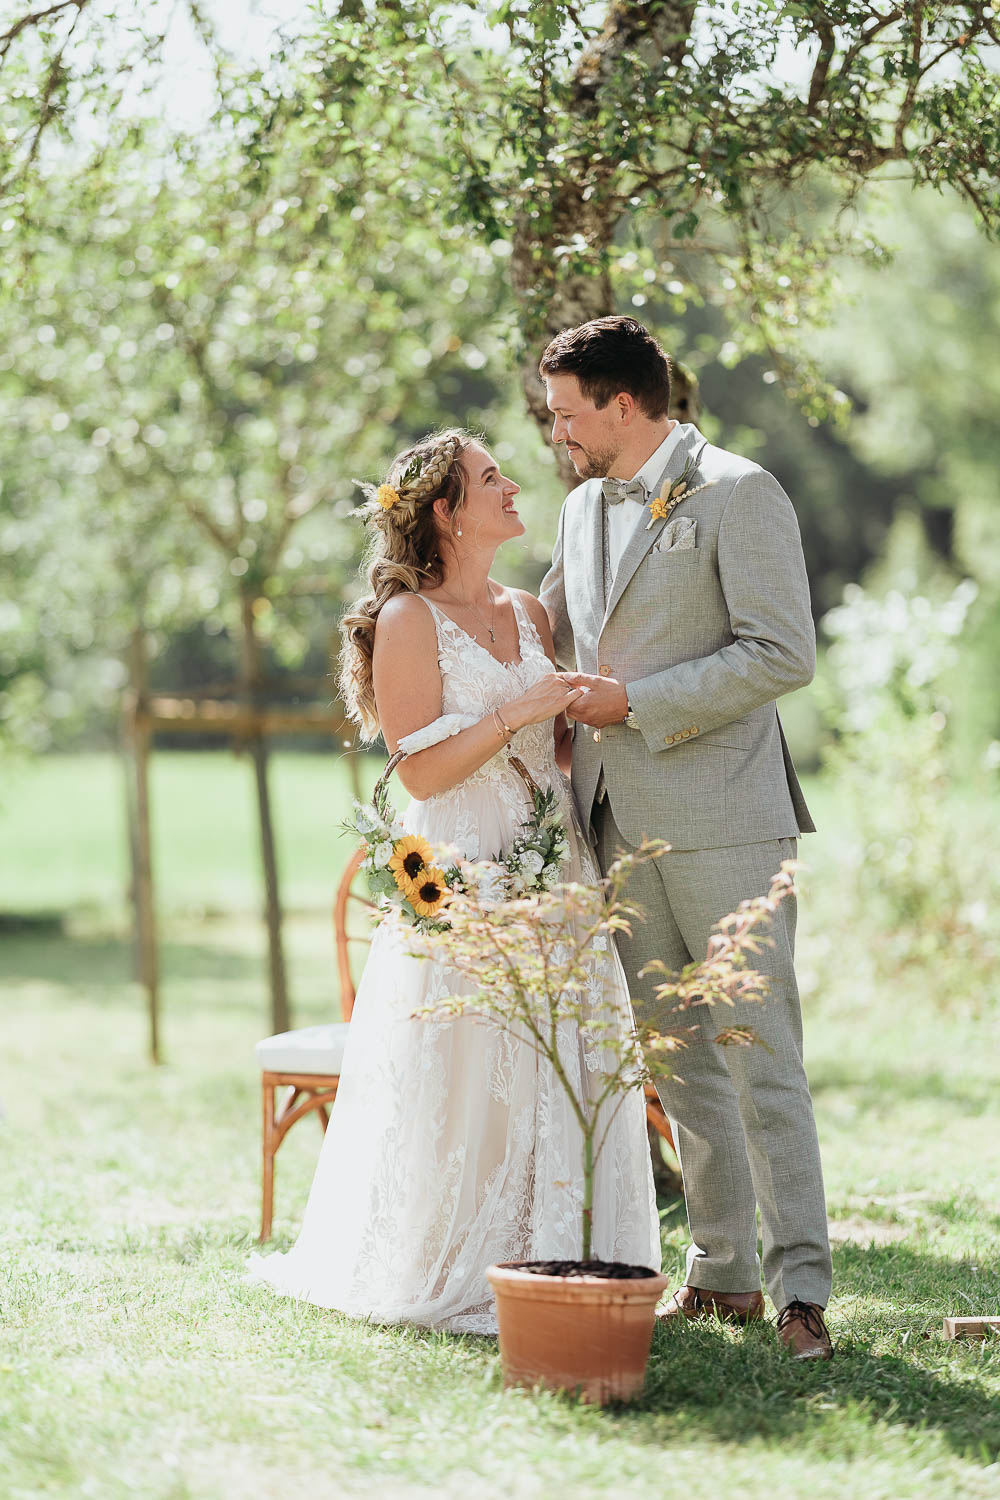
(410, 857)
(428, 893)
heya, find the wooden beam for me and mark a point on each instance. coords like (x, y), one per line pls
(971, 1328)
(230, 717)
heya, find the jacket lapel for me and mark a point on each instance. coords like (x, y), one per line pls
(592, 532)
(639, 543)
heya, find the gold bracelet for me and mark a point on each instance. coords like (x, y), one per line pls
(503, 730)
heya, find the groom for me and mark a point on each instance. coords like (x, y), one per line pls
(684, 628)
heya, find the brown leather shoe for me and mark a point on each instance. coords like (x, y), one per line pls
(696, 1302)
(803, 1331)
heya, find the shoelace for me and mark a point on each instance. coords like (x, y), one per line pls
(807, 1314)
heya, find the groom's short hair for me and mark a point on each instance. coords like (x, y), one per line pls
(608, 355)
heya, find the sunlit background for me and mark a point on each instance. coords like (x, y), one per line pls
(229, 290)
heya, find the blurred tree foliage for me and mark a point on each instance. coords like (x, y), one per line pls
(572, 132)
(205, 335)
(889, 683)
(205, 356)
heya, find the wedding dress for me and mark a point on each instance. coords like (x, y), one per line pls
(451, 1145)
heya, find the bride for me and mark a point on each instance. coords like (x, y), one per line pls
(450, 1145)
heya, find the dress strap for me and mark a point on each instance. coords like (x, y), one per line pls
(441, 623)
(435, 612)
(526, 630)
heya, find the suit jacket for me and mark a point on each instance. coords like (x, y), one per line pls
(705, 638)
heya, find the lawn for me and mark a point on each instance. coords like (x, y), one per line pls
(135, 1362)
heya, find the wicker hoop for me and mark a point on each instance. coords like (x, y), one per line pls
(381, 786)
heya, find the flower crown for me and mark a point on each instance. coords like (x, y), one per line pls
(420, 480)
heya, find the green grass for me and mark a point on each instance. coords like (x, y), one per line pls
(62, 831)
(135, 1362)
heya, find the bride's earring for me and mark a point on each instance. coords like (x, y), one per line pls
(458, 531)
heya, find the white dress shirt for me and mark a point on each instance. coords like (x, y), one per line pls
(623, 518)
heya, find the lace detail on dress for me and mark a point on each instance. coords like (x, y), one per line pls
(473, 681)
(451, 1145)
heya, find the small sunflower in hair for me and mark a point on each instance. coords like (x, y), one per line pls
(411, 857)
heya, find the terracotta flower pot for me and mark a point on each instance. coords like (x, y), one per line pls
(575, 1333)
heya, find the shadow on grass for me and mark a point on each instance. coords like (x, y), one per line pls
(104, 963)
(739, 1386)
(889, 1088)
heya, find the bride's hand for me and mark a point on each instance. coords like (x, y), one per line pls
(550, 696)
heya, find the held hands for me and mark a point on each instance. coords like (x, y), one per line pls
(549, 696)
(602, 701)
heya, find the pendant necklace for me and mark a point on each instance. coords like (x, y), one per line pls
(475, 611)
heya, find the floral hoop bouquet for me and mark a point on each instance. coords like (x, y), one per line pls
(410, 877)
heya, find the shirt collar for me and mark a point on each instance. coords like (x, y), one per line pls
(657, 461)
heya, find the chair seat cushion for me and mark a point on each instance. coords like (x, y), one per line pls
(312, 1049)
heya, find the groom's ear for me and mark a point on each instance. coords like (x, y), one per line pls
(626, 408)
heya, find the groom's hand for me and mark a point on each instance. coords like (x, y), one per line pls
(603, 701)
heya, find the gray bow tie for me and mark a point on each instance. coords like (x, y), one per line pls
(617, 490)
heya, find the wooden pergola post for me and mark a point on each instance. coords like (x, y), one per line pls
(240, 713)
(250, 683)
(136, 736)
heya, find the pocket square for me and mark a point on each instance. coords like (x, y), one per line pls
(678, 535)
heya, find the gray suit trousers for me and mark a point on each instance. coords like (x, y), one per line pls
(742, 1117)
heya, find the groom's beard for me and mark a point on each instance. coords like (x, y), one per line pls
(593, 463)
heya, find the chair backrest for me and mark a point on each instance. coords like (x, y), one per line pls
(344, 939)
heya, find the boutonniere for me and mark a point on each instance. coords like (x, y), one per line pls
(672, 493)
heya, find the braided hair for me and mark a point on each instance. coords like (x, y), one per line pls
(402, 556)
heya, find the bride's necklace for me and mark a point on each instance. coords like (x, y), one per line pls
(493, 610)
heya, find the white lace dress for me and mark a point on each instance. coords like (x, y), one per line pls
(452, 1145)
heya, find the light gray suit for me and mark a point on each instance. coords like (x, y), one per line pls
(707, 622)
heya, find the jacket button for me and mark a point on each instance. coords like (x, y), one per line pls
(605, 671)
(597, 736)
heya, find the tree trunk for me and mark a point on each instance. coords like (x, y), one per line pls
(556, 289)
(135, 749)
(250, 684)
(551, 298)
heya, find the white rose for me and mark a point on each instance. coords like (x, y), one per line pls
(380, 854)
(532, 862)
(366, 819)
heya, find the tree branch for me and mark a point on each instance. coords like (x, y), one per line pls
(821, 69)
(36, 18)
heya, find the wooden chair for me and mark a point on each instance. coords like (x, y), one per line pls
(307, 1062)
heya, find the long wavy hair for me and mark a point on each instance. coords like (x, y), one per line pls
(403, 555)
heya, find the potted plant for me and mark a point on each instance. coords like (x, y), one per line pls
(584, 1325)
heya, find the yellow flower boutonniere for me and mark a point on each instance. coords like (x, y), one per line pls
(672, 493)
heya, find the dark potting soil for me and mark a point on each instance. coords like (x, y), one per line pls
(608, 1270)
